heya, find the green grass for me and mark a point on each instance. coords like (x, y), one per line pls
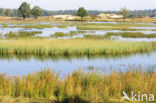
(60, 34)
(28, 25)
(71, 47)
(111, 26)
(72, 33)
(95, 36)
(78, 87)
(131, 34)
(123, 34)
(38, 26)
(22, 34)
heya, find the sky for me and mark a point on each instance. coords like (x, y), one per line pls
(88, 4)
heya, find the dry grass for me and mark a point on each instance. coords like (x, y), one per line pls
(89, 18)
(79, 86)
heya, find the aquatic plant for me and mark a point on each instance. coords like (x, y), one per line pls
(131, 35)
(111, 26)
(22, 34)
(62, 34)
(92, 87)
(42, 46)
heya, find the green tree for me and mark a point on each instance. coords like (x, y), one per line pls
(36, 11)
(24, 10)
(82, 12)
(7, 12)
(125, 12)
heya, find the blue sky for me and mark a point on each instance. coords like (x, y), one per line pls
(88, 4)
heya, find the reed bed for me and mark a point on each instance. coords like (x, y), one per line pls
(22, 34)
(111, 26)
(123, 34)
(37, 25)
(71, 47)
(72, 33)
(78, 87)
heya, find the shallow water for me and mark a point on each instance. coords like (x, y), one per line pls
(21, 66)
(147, 28)
(46, 32)
(146, 23)
(120, 38)
(49, 31)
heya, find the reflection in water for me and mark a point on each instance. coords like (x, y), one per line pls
(22, 66)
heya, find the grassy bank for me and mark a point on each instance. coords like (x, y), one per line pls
(71, 47)
(111, 26)
(38, 26)
(132, 35)
(72, 33)
(123, 34)
(22, 34)
(78, 87)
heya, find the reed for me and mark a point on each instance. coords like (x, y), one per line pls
(22, 34)
(92, 87)
(131, 34)
(111, 26)
(27, 25)
(71, 47)
(72, 33)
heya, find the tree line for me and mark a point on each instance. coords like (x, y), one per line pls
(37, 11)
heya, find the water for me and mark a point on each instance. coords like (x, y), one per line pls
(46, 32)
(146, 23)
(22, 66)
(147, 28)
(49, 31)
(64, 65)
(120, 38)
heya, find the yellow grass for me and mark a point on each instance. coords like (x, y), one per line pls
(79, 87)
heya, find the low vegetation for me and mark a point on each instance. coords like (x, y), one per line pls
(37, 26)
(71, 47)
(72, 33)
(22, 34)
(131, 35)
(61, 34)
(78, 87)
(88, 36)
(111, 26)
(123, 34)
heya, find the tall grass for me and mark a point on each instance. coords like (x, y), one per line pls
(71, 47)
(38, 26)
(93, 87)
(72, 33)
(131, 34)
(22, 34)
(111, 26)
